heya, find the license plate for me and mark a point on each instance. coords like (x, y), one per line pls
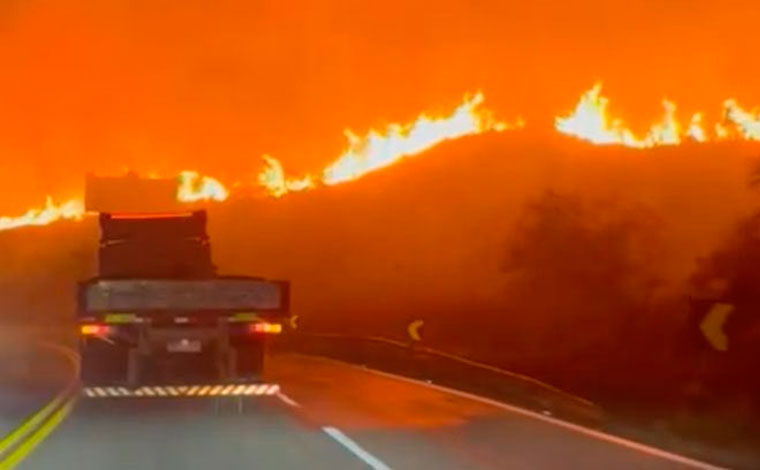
(184, 346)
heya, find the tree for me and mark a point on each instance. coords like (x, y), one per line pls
(582, 276)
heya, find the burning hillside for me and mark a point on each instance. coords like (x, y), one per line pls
(590, 121)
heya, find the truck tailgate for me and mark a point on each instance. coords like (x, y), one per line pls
(155, 295)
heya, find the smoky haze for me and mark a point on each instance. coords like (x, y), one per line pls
(538, 253)
(165, 86)
(432, 236)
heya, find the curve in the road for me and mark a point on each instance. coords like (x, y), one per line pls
(332, 415)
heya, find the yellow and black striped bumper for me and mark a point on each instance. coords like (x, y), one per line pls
(167, 391)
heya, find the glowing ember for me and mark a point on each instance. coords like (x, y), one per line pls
(193, 188)
(272, 177)
(69, 210)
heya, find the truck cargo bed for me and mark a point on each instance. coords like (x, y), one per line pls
(219, 294)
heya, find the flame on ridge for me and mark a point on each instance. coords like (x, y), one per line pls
(376, 150)
(591, 121)
(273, 178)
(193, 187)
(72, 209)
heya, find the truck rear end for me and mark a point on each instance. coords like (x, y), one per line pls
(168, 331)
(158, 312)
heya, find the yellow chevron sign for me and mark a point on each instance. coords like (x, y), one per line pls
(415, 330)
(712, 326)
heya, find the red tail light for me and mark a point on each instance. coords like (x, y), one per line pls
(94, 330)
(271, 328)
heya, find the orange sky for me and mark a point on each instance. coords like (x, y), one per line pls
(163, 85)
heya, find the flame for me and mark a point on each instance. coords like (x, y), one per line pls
(72, 209)
(272, 177)
(194, 188)
(590, 121)
(666, 132)
(696, 131)
(746, 122)
(378, 150)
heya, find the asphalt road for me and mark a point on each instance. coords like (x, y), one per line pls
(329, 416)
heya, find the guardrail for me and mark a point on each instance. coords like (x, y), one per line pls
(413, 360)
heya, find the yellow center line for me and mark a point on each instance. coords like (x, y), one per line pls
(39, 435)
(31, 422)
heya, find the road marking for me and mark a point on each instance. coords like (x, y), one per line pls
(35, 428)
(288, 401)
(355, 449)
(643, 448)
(39, 435)
(31, 423)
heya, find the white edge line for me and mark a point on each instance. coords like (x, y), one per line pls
(555, 421)
(287, 400)
(355, 449)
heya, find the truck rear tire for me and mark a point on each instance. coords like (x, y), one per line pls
(102, 363)
(250, 360)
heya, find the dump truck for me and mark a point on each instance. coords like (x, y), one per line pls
(158, 312)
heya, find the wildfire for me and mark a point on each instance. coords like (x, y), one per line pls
(378, 150)
(191, 187)
(51, 212)
(272, 177)
(696, 131)
(591, 121)
(746, 122)
(194, 187)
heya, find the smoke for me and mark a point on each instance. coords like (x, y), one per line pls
(98, 86)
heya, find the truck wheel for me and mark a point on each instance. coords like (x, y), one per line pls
(102, 363)
(250, 360)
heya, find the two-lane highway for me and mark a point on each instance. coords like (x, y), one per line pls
(329, 416)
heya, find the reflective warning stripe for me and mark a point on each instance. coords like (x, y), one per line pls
(227, 390)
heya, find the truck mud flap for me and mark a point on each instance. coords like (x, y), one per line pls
(182, 391)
